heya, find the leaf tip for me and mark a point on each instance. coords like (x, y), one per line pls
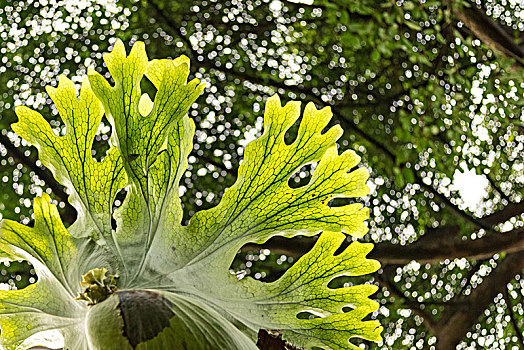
(118, 48)
(91, 71)
(43, 199)
(138, 51)
(275, 99)
(20, 110)
(181, 60)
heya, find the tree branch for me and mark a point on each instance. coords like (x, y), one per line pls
(218, 165)
(503, 215)
(442, 198)
(174, 27)
(454, 324)
(468, 278)
(423, 251)
(434, 250)
(489, 32)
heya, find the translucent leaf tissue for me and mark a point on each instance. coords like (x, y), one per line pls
(153, 283)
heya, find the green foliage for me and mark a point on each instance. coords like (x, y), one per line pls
(160, 269)
(437, 100)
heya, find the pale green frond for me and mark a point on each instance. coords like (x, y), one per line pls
(92, 185)
(261, 204)
(166, 239)
(140, 137)
(171, 321)
(303, 289)
(58, 259)
(153, 141)
(169, 285)
(41, 307)
(50, 248)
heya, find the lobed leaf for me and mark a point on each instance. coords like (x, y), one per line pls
(59, 260)
(153, 140)
(174, 286)
(261, 204)
(92, 185)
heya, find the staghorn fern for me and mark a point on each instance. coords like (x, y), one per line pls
(153, 283)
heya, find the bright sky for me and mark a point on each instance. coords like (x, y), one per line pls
(471, 187)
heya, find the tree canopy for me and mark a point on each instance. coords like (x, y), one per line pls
(428, 93)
